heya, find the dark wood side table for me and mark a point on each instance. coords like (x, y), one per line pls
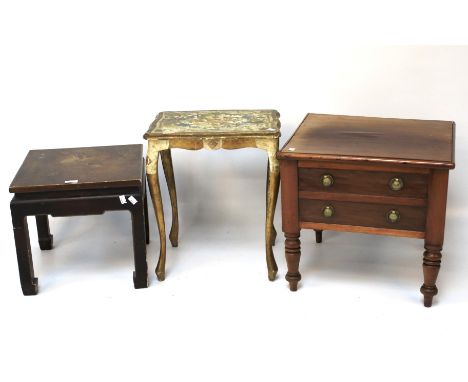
(78, 181)
(370, 175)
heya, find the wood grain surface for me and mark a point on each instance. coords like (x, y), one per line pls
(91, 167)
(408, 142)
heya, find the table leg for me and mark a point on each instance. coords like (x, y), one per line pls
(434, 239)
(140, 276)
(43, 232)
(147, 233)
(293, 255)
(166, 159)
(155, 191)
(272, 196)
(318, 235)
(291, 228)
(274, 233)
(431, 265)
(29, 283)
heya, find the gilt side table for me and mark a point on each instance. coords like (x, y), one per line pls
(370, 175)
(212, 130)
(78, 181)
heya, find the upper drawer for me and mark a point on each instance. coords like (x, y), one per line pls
(363, 182)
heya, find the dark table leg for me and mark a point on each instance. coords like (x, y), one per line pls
(291, 229)
(147, 234)
(29, 283)
(435, 226)
(293, 256)
(140, 276)
(318, 236)
(43, 232)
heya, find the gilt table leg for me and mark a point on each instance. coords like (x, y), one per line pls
(275, 199)
(435, 225)
(43, 232)
(272, 196)
(166, 159)
(155, 191)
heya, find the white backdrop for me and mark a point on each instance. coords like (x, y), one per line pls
(96, 73)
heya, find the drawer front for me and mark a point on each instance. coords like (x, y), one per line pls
(363, 214)
(363, 182)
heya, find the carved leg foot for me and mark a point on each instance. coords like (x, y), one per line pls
(293, 256)
(43, 232)
(431, 265)
(140, 281)
(29, 283)
(318, 236)
(166, 159)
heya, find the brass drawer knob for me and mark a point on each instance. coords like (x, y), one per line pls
(327, 180)
(396, 184)
(393, 216)
(328, 211)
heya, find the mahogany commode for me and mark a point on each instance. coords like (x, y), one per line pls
(371, 175)
(78, 181)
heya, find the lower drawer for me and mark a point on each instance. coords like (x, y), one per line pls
(363, 214)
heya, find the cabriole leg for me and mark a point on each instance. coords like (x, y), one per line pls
(155, 191)
(166, 159)
(272, 196)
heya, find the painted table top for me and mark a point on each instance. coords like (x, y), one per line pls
(214, 123)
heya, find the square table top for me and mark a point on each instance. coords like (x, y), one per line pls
(214, 123)
(80, 168)
(386, 140)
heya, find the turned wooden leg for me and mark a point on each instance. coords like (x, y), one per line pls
(434, 237)
(293, 255)
(29, 283)
(290, 212)
(43, 232)
(166, 159)
(147, 230)
(272, 196)
(140, 276)
(431, 265)
(155, 191)
(275, 199)
(318, 236)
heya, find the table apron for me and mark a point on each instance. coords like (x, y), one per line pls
(73, 206)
